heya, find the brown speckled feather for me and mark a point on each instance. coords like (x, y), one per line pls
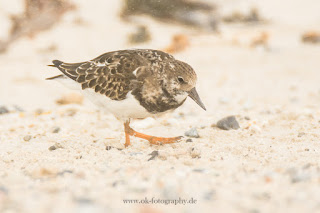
(109, 74)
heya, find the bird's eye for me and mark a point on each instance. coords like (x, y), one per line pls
(180, 79)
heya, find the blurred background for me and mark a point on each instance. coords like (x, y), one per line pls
(258, 60)
(227, 42)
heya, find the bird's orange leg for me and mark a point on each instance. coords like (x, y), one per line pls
(126, 131)
(152, 139)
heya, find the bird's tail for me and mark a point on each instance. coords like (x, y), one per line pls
(56, 63)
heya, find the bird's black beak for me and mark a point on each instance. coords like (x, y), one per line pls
(194, 95)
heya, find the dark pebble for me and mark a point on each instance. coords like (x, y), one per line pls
(82, 200)
(198, 170)
(64, 172)
(3, 110)
(153, 155)
(4, 190)
(17, 108)
(51, 148)
(209, 195)
(193, 133)
(300, 177)
(228, 123)
(108, 147)
(141, 35)
(189, 140)
(117, 182)
(56, 129)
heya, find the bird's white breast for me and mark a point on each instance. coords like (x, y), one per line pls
(124, 109)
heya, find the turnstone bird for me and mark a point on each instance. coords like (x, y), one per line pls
(133, 84)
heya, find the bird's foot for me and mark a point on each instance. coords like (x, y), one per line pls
(158, 140)
(161, 140)
(152, 139)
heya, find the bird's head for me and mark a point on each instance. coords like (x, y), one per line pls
(183, 81)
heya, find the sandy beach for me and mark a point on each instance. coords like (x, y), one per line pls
(70, 157)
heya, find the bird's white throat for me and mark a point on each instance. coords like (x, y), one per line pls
(181, 97)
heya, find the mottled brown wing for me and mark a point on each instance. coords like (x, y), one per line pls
(109, 74)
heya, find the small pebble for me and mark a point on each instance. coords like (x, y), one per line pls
(189, 140)
(199, 170)
(193, 133)
(228, 123)
(18, 108)
(108, 148)
(4, 190)
(51, 148)
(55, 146)
(141, 35)
(118, 182)
(307, 166)
(65, 172)
(300, 177)
(153, 155)
(247, 118)
(70, 98)
(3, 110)
(27, 138)
(135, 153)
(55, 129)
(83, 200)
(209, 195)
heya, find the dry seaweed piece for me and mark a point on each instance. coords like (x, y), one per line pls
(70, 98)
(237, 17)
(192, 13)
(39, 15)
(179, 43)
(311, 37)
